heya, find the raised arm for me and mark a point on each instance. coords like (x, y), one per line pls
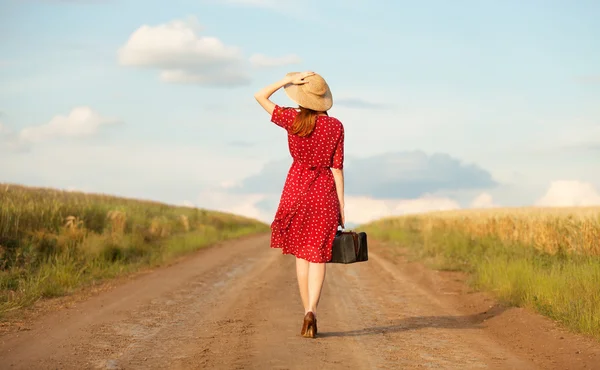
(263, 95)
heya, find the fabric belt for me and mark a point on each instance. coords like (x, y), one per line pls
(311, 167)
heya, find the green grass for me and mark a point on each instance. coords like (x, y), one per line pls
(63, 274)
(563, 286)
(53, 242)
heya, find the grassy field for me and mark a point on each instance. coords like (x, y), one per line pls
(53, 242)
(545, 259)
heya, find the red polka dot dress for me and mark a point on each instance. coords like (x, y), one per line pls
(308, 214)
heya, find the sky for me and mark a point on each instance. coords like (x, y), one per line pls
(445, 105)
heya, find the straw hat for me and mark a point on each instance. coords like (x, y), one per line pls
(313, 95)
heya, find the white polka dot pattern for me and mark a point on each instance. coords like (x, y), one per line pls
(308, 214)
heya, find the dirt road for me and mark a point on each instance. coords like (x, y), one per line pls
(236, 306)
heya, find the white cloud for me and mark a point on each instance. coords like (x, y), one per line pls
(570, 193)
(483, 200)
(400, 175)
(263, 61)
(405, 183)
(424, 204)
(80, 122)
(358, 209)
(223, 78)
(183, 56)
(241, 204)
(165, 172)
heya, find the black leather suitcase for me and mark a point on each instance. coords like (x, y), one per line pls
(349, 247)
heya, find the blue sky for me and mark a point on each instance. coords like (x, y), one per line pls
(445, 104)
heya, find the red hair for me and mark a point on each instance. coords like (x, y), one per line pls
(305, 122)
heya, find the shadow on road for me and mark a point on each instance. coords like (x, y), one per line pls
(421, 322)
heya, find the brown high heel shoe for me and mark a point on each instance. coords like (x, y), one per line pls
(309, 326)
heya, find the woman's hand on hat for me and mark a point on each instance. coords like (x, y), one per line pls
(299, 79)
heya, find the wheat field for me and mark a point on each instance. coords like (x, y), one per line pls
(547, 259)
(52, 241)
(572, 230)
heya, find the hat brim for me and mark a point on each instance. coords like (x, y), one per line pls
(320, 103)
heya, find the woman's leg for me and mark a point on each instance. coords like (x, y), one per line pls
(316, 277)
(302, 275)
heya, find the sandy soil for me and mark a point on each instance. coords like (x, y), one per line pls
(236, 306)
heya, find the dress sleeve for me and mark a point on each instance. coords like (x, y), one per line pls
(338, 154)
(283, 117)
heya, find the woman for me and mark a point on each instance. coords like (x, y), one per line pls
(312, 202)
